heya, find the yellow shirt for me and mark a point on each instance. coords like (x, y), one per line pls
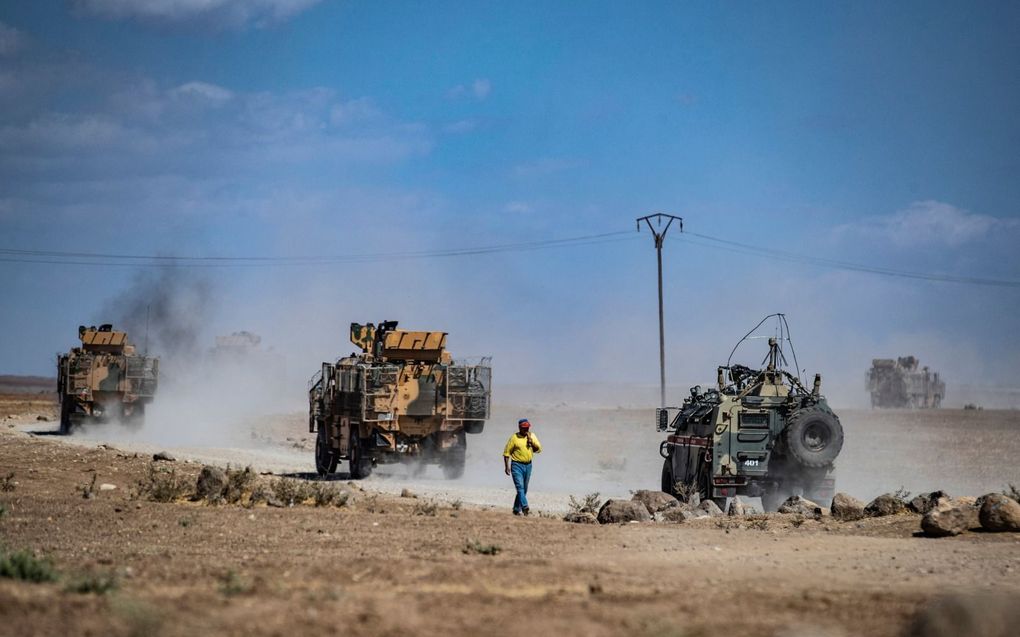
(519, 448)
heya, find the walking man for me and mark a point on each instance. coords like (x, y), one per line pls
(517, 456)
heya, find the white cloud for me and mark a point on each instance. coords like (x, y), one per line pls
(11, 40)
(210, 14)
(353, 112)
(928, 223)
(479, 89)
(203, 130)
(203, 91)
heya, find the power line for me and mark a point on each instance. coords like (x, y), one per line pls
(98, 259)
(779, 255)
(54, 257)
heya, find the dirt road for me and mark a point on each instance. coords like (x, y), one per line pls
(610, 451)
(384, 565)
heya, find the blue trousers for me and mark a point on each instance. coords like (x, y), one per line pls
(521, 474)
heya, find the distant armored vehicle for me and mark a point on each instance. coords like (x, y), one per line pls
(899, 383)
(402, 399)
(759, 433)
(104, 379)
(236, 344)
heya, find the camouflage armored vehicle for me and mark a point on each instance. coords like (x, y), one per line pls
(899, 383)
(759, 433)
(401, 399)
(104, 379)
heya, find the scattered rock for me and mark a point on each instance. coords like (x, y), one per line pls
(655, 501)
(275, 502)
(407, 493)
(623, 511)
(975, 615)
(581, 518)
(847, 508)
(211, 482)
(799, 505)
(678, 515)
(163, 456)
(999, 513)
(736, 508)
(949, 517)
(709, 507)
(885, 504)
(42, 418)
(106, 486)
(926, 501)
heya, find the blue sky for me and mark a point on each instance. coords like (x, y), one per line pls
(872, 133)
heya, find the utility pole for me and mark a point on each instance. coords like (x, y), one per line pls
(659, 230)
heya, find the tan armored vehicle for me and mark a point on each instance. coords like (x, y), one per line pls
(901, 383)
(402, 399)
(104, 379)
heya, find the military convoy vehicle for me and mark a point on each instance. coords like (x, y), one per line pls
(104, 379)
(403, 398)
(899, 383)
(759, 433)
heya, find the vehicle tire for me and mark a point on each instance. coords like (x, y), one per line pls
(361, 466)
(813, 437)
(326, 457)
(668, 486)
(454, 459)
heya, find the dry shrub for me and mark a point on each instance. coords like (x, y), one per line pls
(240, 484)
(97, 583)
(684, 492)
(231, 584)
(25, 566)
(7, 482)
(474, 546)
(328, 495)
(426, 507)
(372, 504)
(291, 492)
(161, 484)
(588, 504)
(88, 491)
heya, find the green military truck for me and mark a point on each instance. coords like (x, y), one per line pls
(758, 433)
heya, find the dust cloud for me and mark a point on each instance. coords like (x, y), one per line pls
(596, 423)
(208, 394)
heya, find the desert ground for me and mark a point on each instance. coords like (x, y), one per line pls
(448, 558)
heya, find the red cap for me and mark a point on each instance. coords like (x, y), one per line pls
(523, 423)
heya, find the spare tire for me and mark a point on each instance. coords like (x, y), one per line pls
(813, 437)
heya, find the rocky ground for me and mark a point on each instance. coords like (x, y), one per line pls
(371, 563)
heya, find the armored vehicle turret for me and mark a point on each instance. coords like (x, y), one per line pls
(403, 398)
(758, 433)
(104, 379)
